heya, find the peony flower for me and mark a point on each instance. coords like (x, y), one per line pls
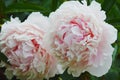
(80, 39)
(22, 44)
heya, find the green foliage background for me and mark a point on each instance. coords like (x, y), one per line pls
(22, 8)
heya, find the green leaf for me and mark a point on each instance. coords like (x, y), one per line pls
(66, 76)
(88, 2)
(93, 78)
(115, 52)
(60, 2)
(2, 8)
(3, 58)
(118, 5)
(114, 12)
(118, 40)
(107, 5)
(115, 21)
(54, 5)
(25, 7)
(112, 76)
(56, 77)
(60, 78)
(100, 1)
(118, 1)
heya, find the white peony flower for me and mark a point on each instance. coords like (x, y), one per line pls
(22, 44)
(80, 38)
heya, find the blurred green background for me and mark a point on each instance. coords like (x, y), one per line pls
(22, 8)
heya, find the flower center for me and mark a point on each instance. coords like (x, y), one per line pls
(77, 40)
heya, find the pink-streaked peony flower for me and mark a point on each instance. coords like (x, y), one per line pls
(22, 44)
(80, 38)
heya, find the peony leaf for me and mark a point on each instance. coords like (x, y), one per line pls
(54, 5)
(100, 1)
(112, 76)
(115, 52)
(107, 5)
(25, 7)
(60, 78)
(0, 25)
(66, 76)
(115, 21)
(2, 8)
(4, 58)
(93, 78)
(114, 15)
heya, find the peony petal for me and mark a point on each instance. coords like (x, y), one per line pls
(101, 69)
(103, 51)
(38, 19)
(76, 31)
(96, 8)
(109, 33)
(60, 69)
(102, 60)
(9, 24)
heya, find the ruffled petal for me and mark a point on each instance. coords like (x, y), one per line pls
(101, 69)
(38, 19)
